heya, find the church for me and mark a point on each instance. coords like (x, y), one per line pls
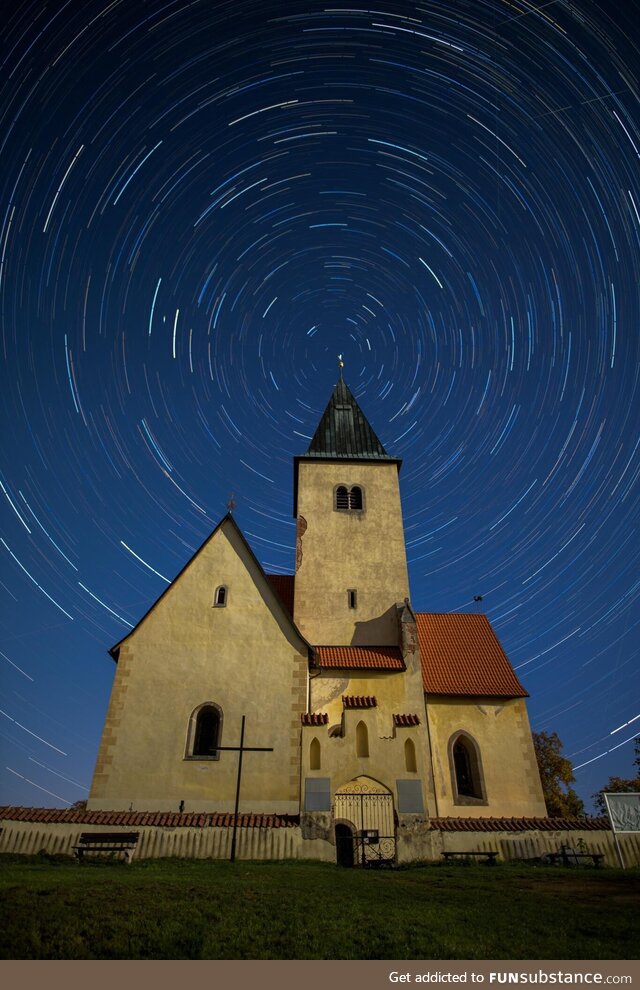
(363, 715)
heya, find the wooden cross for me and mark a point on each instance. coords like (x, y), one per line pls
(240, 749)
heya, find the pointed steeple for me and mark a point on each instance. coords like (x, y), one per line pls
(344, 430)
(343, 433)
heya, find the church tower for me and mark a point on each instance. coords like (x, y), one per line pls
(351, 565)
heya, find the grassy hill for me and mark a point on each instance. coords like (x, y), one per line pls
(204, 909)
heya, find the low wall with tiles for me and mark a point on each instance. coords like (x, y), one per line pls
(514, 841)
(184, 842)
(29, 831)
(533, 845)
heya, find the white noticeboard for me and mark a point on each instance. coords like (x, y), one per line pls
(624, 815)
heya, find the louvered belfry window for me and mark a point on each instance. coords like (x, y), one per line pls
(349, 499)
(355, 497)
(342, 498)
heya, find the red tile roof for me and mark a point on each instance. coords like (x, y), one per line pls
(360, 657)
(166, 819)
(314, 718)
(283, 585)
(405, 720)
(170, 819)
(359, 701)
(520, 824)
(461, 655)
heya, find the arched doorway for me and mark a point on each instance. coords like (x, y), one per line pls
(366, 806)
(344, 844)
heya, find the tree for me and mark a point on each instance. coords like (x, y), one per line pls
(620, 785)
(556, 775)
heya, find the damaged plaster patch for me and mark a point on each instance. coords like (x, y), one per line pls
(301, 529)
(327, 689)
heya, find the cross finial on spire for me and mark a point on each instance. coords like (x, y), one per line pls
(340, 364)
(231, 504)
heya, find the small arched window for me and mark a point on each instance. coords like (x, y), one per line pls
(220, 597)
(348, 499)
(314, 755)
(355, 498)
(342, 498)
(362, 740)
(205, 731)
(410, 757)
(466, 770)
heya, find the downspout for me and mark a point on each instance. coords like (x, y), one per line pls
(311, 658)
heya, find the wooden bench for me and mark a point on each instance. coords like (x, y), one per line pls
(490, 855)
(107, 842)
(570, 858)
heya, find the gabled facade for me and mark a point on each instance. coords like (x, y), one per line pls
(377, 717)
(186, 674)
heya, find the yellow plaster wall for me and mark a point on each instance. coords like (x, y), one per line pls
(501, 729)
(245, 657)
(395, 693)
(342, 550)
(385, 763)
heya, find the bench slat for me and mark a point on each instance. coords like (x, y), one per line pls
(98, 837)
(488, 853)
(570, 857)
(107, 842)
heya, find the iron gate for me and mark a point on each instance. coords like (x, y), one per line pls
(370, 813)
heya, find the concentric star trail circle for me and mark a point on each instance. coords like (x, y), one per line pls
(201, 206)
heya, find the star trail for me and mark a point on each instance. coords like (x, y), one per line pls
(201, 206)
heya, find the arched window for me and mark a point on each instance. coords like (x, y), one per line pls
(410, 757)
(314, 755)
(341, 498)
(466, 770)
(205, 731)
(220, 597)
(348, 499)
(362, 740)
(355, 497)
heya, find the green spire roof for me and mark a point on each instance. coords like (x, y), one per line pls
(344, 430)
(343, 433)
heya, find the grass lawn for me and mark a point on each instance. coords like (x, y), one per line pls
(207, 909)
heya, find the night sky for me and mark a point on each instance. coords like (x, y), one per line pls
(201, 205)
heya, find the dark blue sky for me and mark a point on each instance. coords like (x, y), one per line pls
(201, 205)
